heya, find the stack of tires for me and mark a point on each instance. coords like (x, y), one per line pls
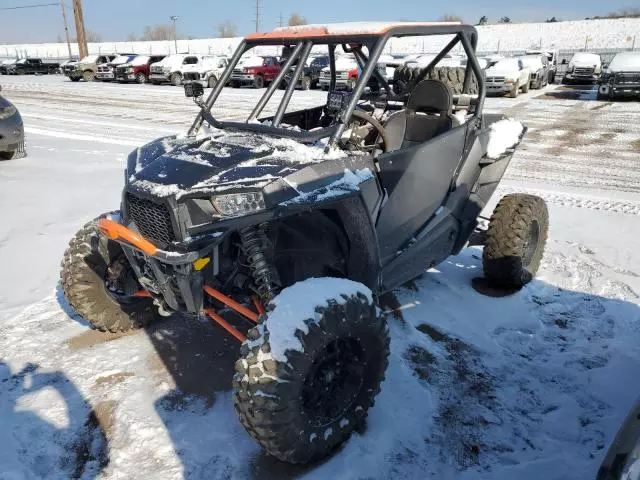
(405, 78)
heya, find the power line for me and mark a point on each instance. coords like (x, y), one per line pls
(30, 6)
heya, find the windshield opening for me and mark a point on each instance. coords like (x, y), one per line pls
(351, 76)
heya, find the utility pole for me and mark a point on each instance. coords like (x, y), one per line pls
(175, 34)
(257, 15)
(66, 26)
(80, 32)
(281, 23)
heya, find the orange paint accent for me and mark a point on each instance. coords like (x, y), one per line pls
(224, 324)
(143, 294)
(258, 304)
(115, 231)
(231, 303)
(292, 33)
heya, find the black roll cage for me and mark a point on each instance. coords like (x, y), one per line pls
(464, 34)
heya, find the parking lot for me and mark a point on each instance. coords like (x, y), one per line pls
(157, 402)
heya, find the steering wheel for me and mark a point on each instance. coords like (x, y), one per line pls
(382, 139)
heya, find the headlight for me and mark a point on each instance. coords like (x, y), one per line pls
(239, 203)
(129, 70)
(7, 112)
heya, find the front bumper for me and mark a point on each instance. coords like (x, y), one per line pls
(573, 77)
(125, 77)
(105, 76)
(158, 77)
(499, 87)
(243, 79)
(11, 133)
(620, 90)
(340, 82)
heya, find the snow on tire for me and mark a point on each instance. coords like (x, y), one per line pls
(83, 270)
(516, 238)
(309, 373)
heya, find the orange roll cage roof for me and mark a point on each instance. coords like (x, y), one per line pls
(343, 29)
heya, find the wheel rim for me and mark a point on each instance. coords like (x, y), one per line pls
(212, 82)
(142, 78)
(120, 282)
(334, 382)
(531, 244)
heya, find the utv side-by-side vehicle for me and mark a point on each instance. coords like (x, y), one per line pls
(284, 229)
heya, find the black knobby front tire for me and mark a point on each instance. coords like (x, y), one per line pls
(516, 239)
(83, 271)
(284, 404)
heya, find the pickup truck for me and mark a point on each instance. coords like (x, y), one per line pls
(508, 75)
(311, 72)
(87, 67)
(256, 71)
(33, 66)
(621, 78)
(552, 56)
(171, 68)
(138, 69)
(207, 71)
(538, 64)
(346, 74)
(107, 71)
(583, 68)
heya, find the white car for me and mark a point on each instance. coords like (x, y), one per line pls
(207, 72)
(538, 65)
(170, 68)
(583, 67)
(346, 74)
(508, 75)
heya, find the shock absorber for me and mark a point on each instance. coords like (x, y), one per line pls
(263, 275)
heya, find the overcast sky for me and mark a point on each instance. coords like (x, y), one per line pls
(115, 19)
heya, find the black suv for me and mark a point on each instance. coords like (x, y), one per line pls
(310, 77)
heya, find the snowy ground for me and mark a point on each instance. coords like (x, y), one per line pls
(530, 386)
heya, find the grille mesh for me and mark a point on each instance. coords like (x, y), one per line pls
(152, 219)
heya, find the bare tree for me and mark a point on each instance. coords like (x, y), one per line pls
(450, 18)
(227, 29)
(93, 37)
(504, 20)
(132, 37)
(483, 20)
(157, 32)
(297, 19)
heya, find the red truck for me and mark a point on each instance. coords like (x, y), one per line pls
(138, 69)
(256, 71)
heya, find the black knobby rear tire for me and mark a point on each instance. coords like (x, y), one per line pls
(284, 404)
(83, 271)
(516, 238)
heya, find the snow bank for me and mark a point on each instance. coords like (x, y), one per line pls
(295, 309)
(503, 135)
(596, 34)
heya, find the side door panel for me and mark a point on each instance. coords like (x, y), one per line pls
(417, 181)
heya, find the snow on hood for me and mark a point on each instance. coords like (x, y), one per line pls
(504, 67)
(585, 60)
(626, 61)
(224, 160)
(503, 135)
(139, 60)
(294, 309)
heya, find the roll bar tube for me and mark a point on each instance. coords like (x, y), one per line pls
(284, 103)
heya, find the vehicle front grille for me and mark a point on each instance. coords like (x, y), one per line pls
(191, 76)
(627, 77)
(156, 70)
(69, 68)
(121, 70)
(152, 219)
(238, 71)
(104, 69)
(495, 79)
(584, 71)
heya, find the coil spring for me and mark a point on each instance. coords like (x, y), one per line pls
(261, 271)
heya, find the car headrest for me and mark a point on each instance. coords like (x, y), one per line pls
(430, 96)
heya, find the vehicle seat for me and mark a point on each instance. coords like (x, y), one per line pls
(428, 113)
